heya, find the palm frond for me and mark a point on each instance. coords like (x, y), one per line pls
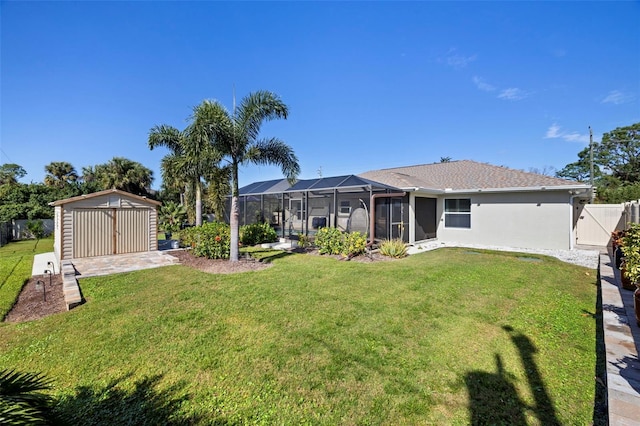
(256, 108)
(21, 398)
(275, 152)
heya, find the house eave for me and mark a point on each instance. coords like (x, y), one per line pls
(571, 189)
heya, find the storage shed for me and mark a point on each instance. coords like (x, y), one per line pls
(104, 223)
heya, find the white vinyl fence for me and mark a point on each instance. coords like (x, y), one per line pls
(597, 221)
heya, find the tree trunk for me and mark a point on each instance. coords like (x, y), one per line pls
(198, 203)
(234, 225)
(234, 216)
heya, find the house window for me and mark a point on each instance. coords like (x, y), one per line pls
(345, 208)
(457, 213)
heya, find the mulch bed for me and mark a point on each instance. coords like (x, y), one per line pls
(31, 304)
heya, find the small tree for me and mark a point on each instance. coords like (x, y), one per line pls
(36, 229)
(631, 250)
(171, 217)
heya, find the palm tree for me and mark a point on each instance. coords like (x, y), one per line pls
(122, 173)
(59, 173)
(237, 137)
(192, 158)
(22, 401)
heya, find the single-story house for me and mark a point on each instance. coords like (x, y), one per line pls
(463, 202)
(104, 223)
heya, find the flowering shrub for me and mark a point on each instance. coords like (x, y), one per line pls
(257, 233)
(333, 241)
(211, 240)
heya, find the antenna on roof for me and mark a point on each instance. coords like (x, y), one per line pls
(319, 171)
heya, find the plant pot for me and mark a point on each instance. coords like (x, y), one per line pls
(618, 256)
(626, 281)
(636, 304)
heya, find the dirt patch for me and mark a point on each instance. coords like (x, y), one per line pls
(218, 266)
(31, 304)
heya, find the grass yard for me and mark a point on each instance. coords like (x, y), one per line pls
(16, 262)
(451, 336)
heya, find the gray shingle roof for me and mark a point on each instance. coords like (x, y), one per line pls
(463, 175)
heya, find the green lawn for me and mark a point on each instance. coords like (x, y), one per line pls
(16, 262)
(451, 336)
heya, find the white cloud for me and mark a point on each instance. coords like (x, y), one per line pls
(456, 60)
(483, 85)
(555, 132)
(512, 94)
(616, 97)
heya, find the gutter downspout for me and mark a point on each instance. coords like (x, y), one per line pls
(372, 211)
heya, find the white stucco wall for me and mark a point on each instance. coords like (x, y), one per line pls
(540, 220)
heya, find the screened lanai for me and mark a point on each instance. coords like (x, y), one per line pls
(341, 202)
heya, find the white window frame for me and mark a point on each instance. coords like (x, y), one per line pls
(456, 212)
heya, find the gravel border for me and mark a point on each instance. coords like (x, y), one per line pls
(586, 258)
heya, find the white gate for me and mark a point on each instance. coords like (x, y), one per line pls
(597, 221)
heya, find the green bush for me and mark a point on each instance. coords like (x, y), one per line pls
(393, 248)
(631, 250)
(211, 240)
(334, 241)
(257, 233)
(36, 229)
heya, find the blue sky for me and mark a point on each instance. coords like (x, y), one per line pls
(369, 85)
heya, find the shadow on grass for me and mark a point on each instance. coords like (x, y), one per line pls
(494, 398)
(139, 403)
(600, 411)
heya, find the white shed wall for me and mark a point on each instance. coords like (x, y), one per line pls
(537, 220)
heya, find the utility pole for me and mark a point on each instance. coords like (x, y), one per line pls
(591, 155)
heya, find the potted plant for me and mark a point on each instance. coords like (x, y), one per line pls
(171, 216)
(631, 263)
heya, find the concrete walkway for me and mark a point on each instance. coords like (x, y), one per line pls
(106, 265)
(622, 345)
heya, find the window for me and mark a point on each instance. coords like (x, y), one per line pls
(457, 213)
(345, 208)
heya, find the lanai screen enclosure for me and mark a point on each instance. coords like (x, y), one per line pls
(342, 202)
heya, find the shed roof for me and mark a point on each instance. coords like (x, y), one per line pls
(465, 175)
(105, 192)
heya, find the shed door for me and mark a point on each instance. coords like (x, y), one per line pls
(132, 230)
(92, 232)
(100, 232)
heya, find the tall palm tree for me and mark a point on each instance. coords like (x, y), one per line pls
(237, 137)
(59, 173)
(191, 159)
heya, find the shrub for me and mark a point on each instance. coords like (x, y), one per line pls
(329, 241)
(257, 233)
(631, 250)
(393, 248)
(211, 240)
(36, 229)
(334, 241)
(354, 244)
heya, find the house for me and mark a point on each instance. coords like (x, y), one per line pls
(463, 202)
(477, 203)
(104, 223)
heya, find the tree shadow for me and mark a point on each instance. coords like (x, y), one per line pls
(493, 399)
(543, 405)
(115, 403)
